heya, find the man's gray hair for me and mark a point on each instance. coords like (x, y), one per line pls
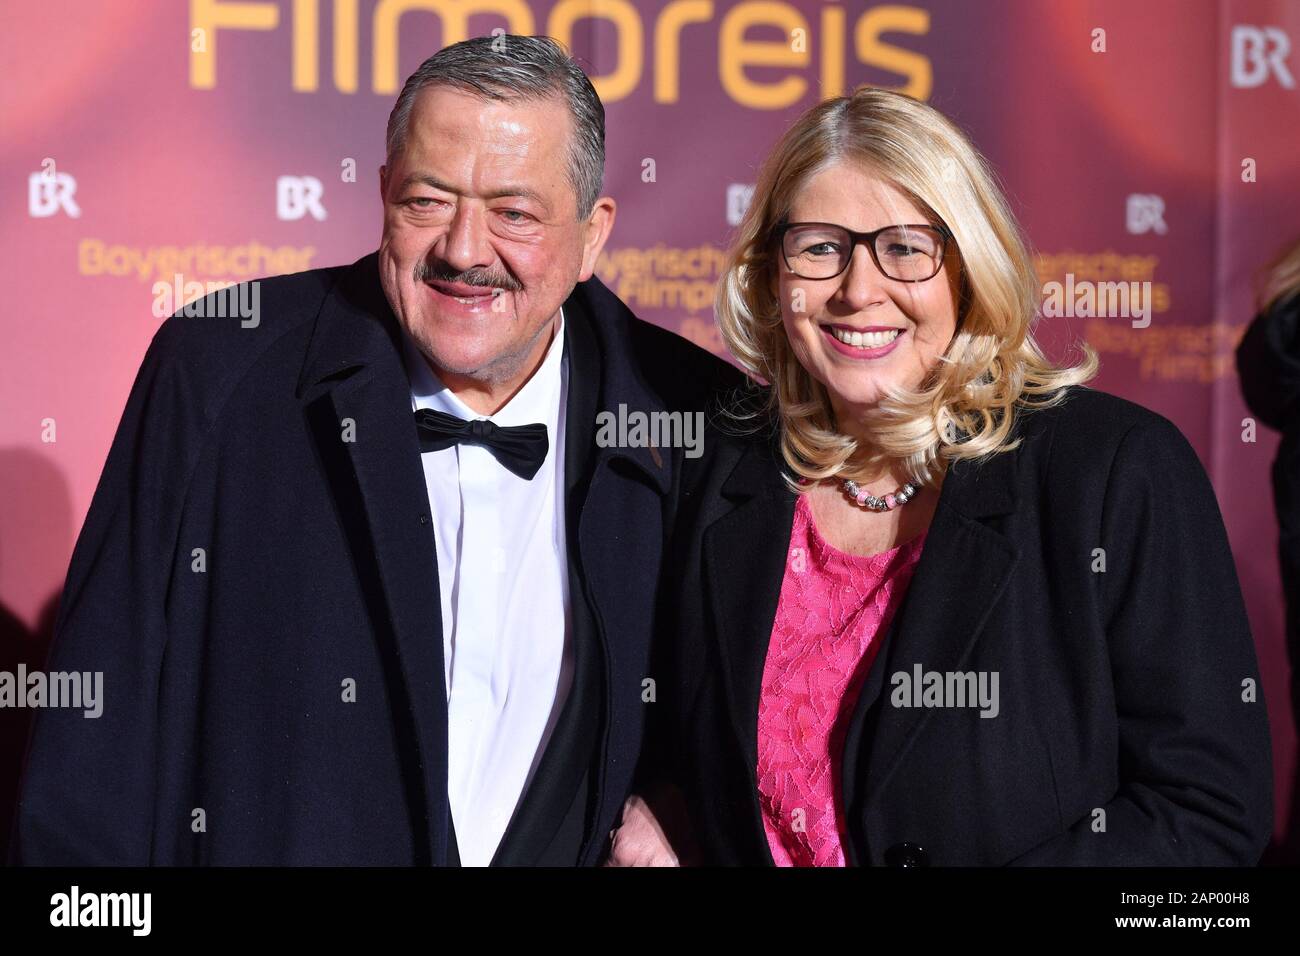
(507, 67)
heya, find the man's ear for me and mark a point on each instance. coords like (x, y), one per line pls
(383, 185)
(598, 227)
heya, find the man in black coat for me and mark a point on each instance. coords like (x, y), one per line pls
(260, 577)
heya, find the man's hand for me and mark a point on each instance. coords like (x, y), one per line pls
(640, 839)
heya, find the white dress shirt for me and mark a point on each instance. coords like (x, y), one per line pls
(503, 578)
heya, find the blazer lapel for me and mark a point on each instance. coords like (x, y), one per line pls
(744, 566)
(964, 568)
(357, 398)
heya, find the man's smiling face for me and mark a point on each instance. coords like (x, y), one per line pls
(482, 242)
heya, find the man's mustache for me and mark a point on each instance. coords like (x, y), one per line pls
(483, 278)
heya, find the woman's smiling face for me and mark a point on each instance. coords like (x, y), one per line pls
(861, 330)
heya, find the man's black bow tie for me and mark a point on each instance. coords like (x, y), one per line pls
(520, 448)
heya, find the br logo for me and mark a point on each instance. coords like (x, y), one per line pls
(48, 191)
(1257, 53)
(1145, 212)
(738, 198)
(295, 196)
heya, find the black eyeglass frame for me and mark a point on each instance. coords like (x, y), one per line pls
(869, 239)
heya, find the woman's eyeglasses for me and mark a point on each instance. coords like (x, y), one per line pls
(822, 250)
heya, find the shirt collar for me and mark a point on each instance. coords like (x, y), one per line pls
(537, 401)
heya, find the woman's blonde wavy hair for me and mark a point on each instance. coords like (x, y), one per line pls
(1281, 278)
(964, 408)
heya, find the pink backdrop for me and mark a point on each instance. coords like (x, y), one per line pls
(176, 120)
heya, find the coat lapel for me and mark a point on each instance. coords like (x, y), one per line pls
(353, 376)
(964, 568)
(744, 565)
(618, 528)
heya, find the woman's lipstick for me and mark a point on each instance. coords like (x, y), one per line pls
(858, 351)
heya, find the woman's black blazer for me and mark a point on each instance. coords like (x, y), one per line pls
(1089, 568)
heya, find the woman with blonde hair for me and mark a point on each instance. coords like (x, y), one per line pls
(937, 601)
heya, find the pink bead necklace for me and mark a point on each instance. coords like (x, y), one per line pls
(869, 501)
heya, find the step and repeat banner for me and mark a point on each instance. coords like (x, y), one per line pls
(154, 150)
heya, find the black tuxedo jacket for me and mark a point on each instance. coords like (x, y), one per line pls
(1124, 734)
(243, 564)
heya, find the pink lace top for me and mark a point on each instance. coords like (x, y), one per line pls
(833, 607)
